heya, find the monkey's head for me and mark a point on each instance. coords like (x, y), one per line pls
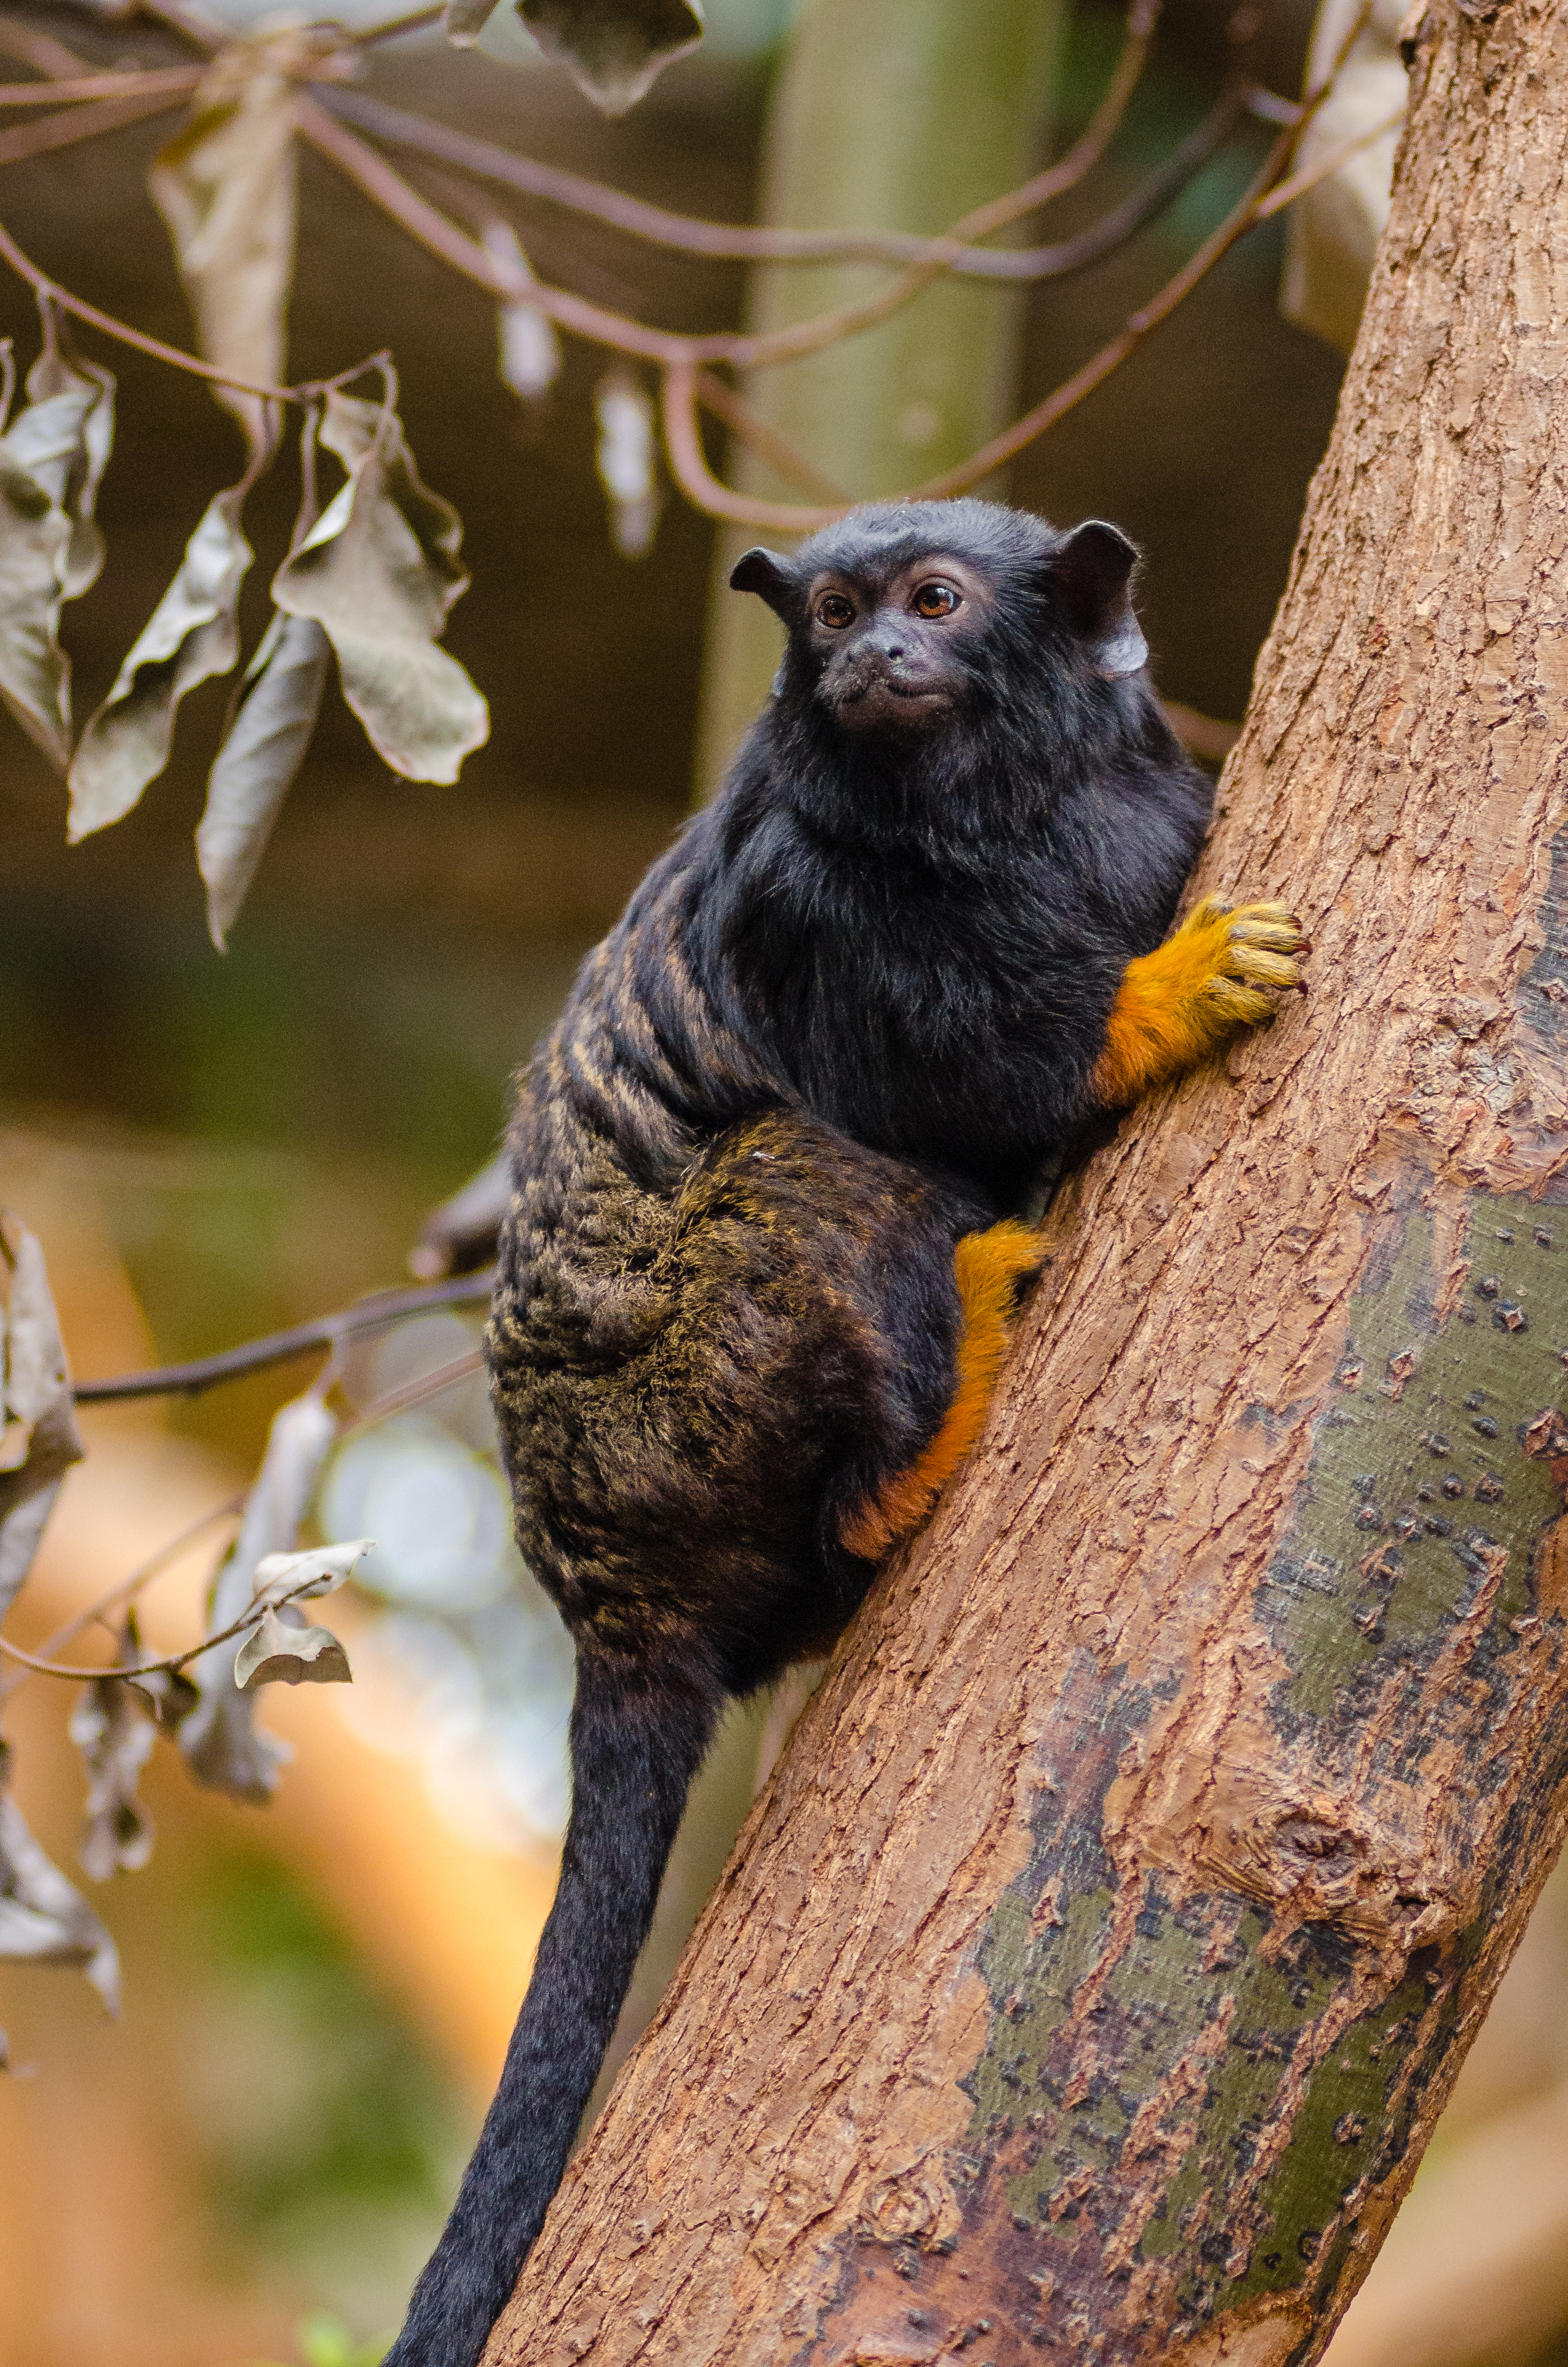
(909, 619)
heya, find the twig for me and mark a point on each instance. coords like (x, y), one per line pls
(681, 357)
(418, 1392)
(716, 240)
(1137, 326)
(172, 1662)
(1308, 178)
(139, 1578)
(40, 51)
(282, 1347)
(689, 467)
(756, 433)
(208, 38)
(100, 86)
(380, 182)
(309, 391)
(1200, 735)
(414, 22)
(72, 123)
(734, 241)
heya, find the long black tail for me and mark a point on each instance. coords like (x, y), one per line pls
(639, 1734)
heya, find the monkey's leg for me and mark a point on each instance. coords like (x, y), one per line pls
(988, 1268)
(1184, 1000)
(799, 1354)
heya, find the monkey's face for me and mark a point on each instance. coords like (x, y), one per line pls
(931, 626)
(888, 644)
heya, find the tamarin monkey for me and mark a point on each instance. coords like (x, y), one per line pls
(765, 1237)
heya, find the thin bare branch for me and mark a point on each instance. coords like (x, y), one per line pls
(739, 243)
(283, 1347)
(73, 124)
(682, 441)
(688, 466)
(39, 49)
(387, 188)
(1326, 166)
(127, 1588)
(170, 1665)
(414, 21)
(416, 1392)
(42, 285)
(1138, 325)
(155, 80)
(371, 174)
(201, 35)
(685, 384)
(1200, 735)
(755, 432)
(715, 240)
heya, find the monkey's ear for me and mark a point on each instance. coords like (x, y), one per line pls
(1092, 568)
(763, 573)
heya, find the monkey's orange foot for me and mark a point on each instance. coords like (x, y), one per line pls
(988, 1269)
(1181, 1002)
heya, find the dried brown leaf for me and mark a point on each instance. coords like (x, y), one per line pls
(528, 345)
(262, 751)
(34, 671)
(192, 634)
(625, 458)
(63, 438)
(53, 458)
(226, 187)
(39, 1439)
(43, 1918)
(466, 19)
(278, 1652)
(379, 571)
(613, 49)
(112, 1726)
(288, 1578)
(1332, 233)
(220, 1744)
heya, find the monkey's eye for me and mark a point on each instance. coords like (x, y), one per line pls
(935, 600)
(834, 611)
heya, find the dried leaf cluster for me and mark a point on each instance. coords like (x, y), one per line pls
(203, 1698)
(370, 579)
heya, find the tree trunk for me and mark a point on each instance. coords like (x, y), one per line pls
(1093, 1973)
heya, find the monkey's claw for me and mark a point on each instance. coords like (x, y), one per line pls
(1255, 947)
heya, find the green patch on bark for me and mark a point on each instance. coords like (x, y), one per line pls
(1419, 1475)
(1419, 1466)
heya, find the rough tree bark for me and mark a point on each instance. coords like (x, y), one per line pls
(1094, 1971)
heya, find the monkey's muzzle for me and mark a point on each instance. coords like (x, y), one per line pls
(887, 691)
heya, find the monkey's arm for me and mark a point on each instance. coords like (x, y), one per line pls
(1181, 1002)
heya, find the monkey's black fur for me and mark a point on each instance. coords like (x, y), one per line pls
(840, 1025)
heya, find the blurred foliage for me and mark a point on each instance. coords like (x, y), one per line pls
(327, 2137)
(326, 2342)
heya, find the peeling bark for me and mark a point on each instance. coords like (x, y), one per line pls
(1092, 1974)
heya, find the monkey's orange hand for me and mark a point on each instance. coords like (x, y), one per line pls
(1181, 1002)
